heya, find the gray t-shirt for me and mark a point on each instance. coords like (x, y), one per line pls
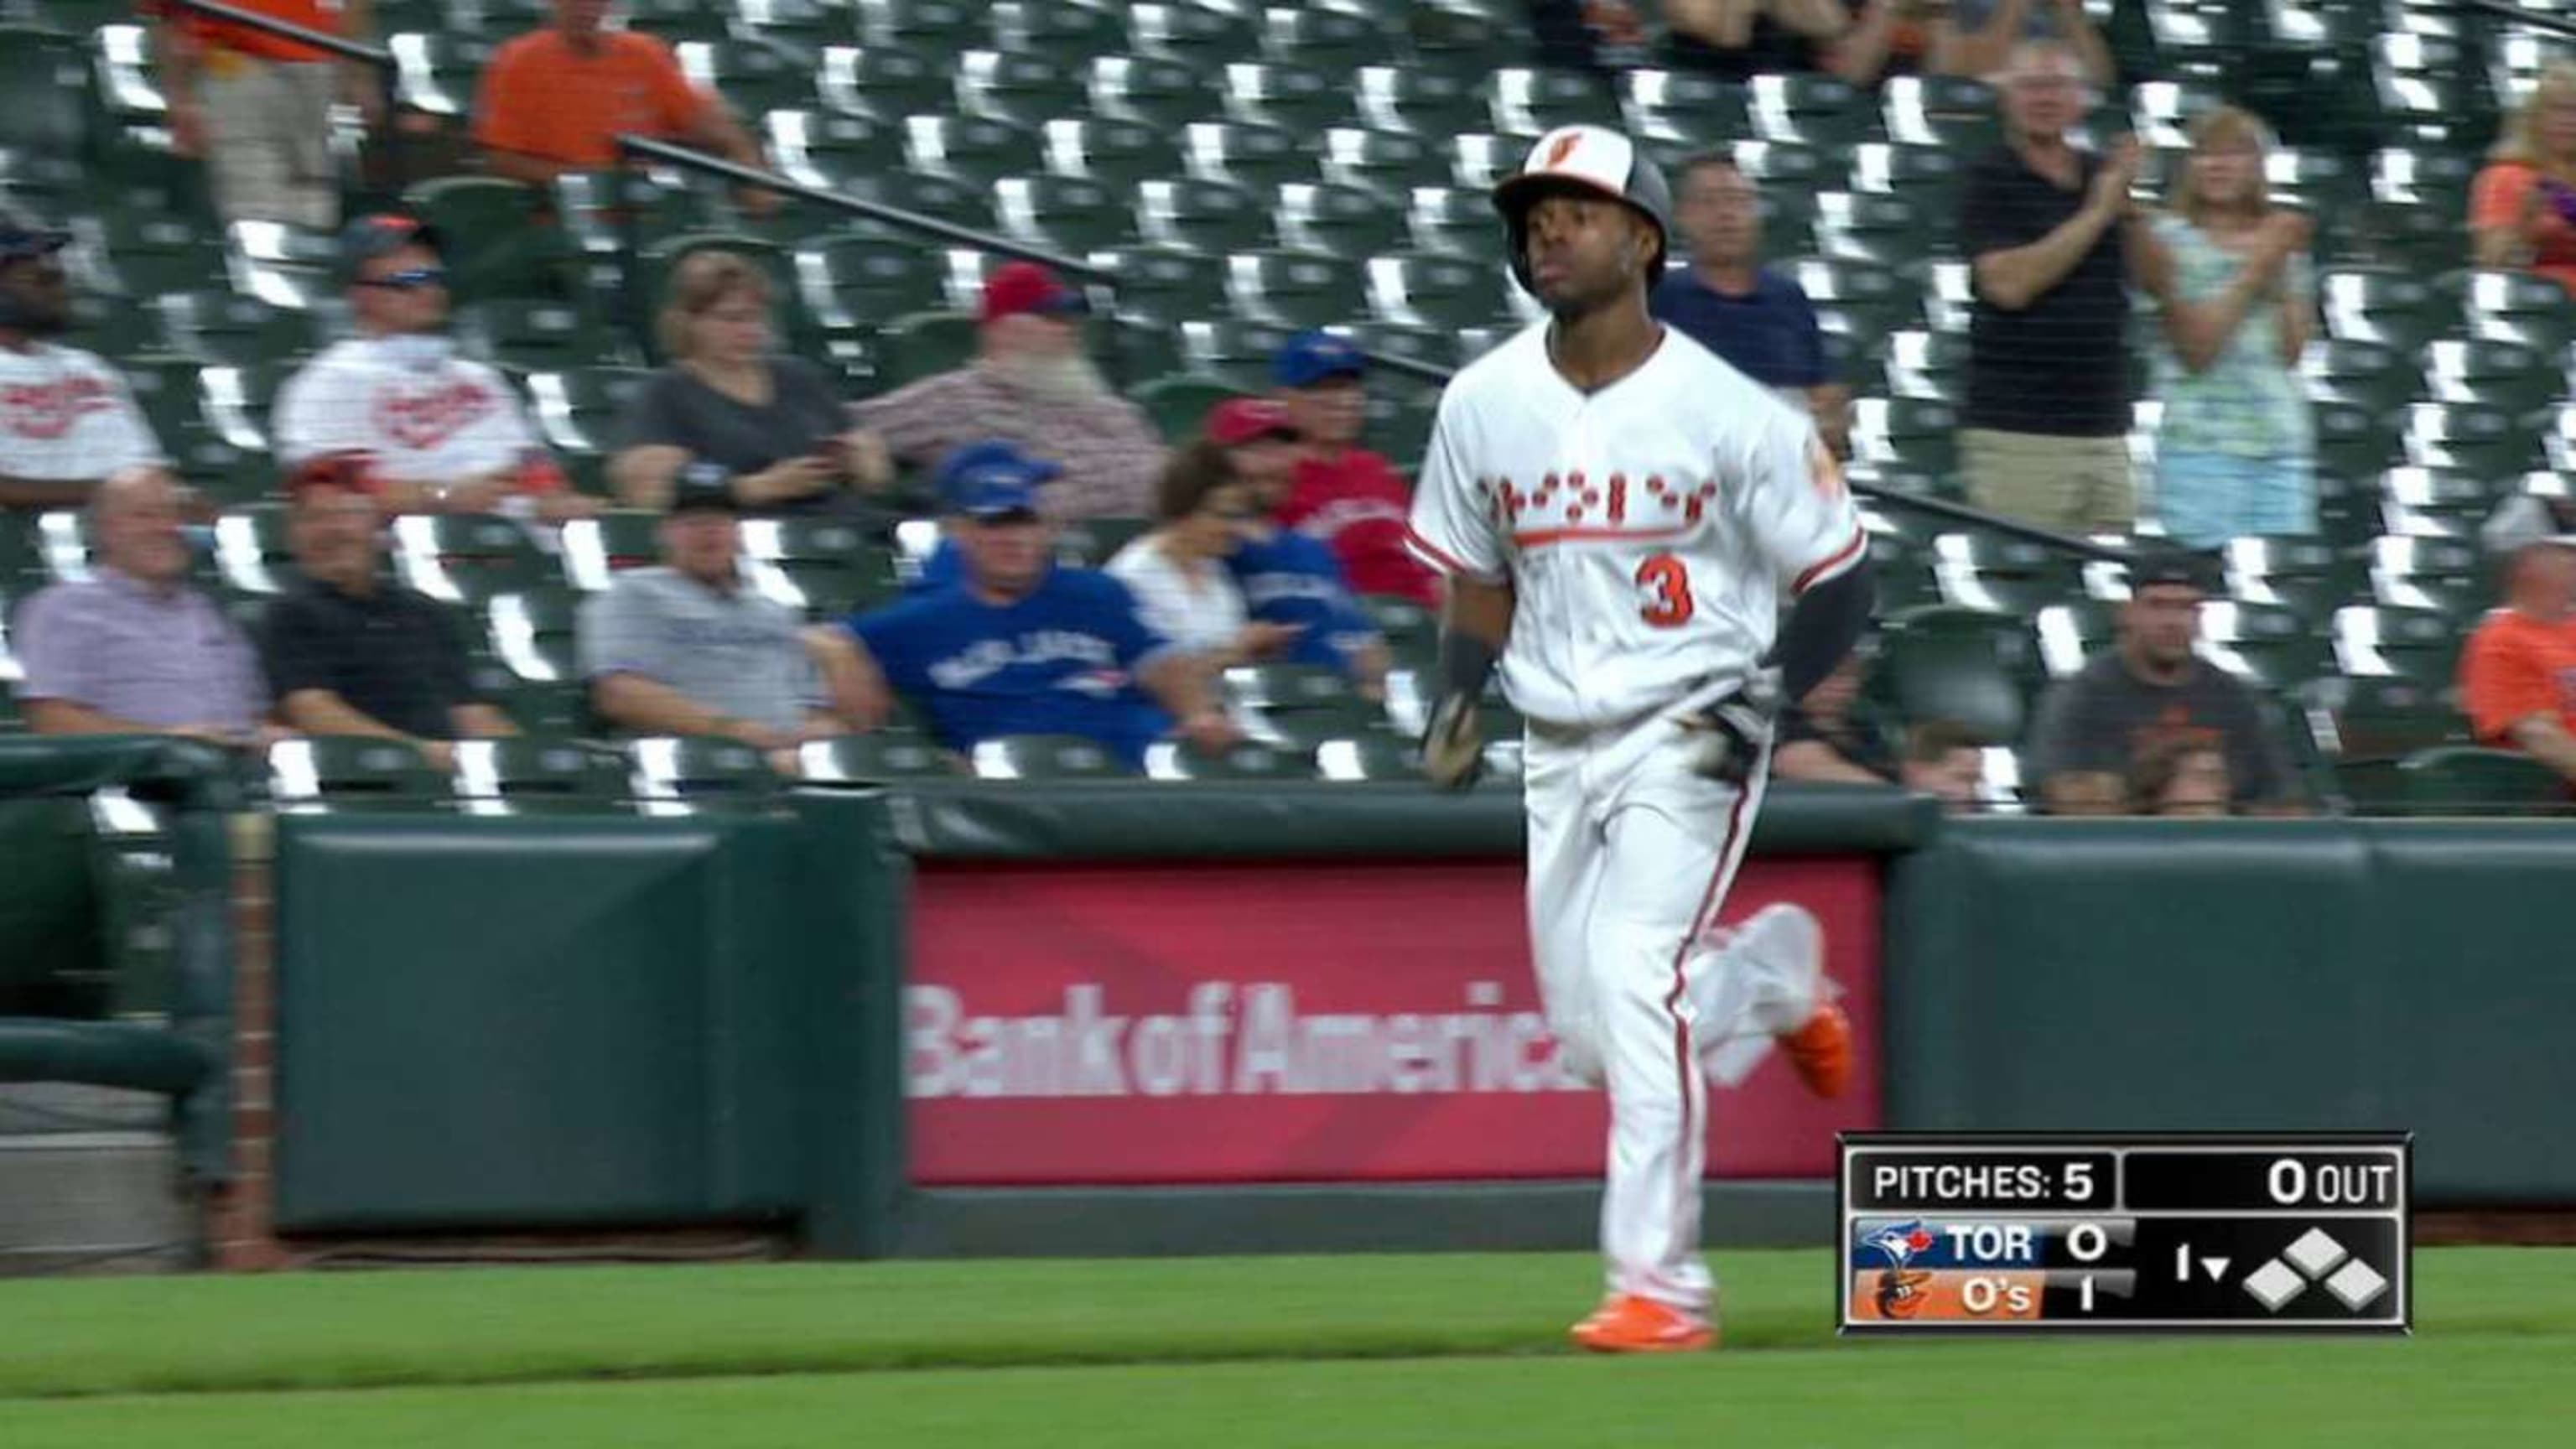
(676, 410)
(738, 653)
(2098, 720)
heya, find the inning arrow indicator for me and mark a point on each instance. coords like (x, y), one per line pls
(2216, 1268)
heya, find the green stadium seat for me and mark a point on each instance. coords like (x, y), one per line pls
(533, 774)
(2440, 501)
(2270, 646)
(437, 72)
(1065, 36)
(1377, 758)
(1808, 110)
(495, 242)
(974, 149)
(826, 149)
(1045, 757)
(467, 559)
(1342, 221)
(2310, 576)
(595, 207)
(2509, 375)
(2478, 437)
(2361, 727)
(1967, 665)
(2421, 645)
(1478, 160)
(1528, 102)
(924, 344)
(879, 758)
(578, 409)
(223, 327)
(1927, 177)
(1247, 762)
(824, 568)
(1199, 36)
(802, 28)
(1164, 284)
(1336, 42)
(1151, 91)
(2515, 307)
(2466, 780)
(2393, 308)
(1202, 216)
(46, 128)
(1302, 100)
(1178, 405)
(2372, 376)
(932, 27)
(2451, 575)
(146, 253)
(1681, 109)
(1456, 222)
(1023, 90)
(2004, 574)
(1436, 292)
(1233, 351)
(1904, 573)
(535, 334)
(687, 775)
(1881, 230)
(882, 83)
(1930, 365)
(1916, 434)
(941, 198)
(854, 281)
(753, 76)
(1953, 112)
(1296, 289)
(1419, 100)
(1112, 152)
(1262, 158)
(350, 772)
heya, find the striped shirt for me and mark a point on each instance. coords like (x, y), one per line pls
(1110, 454)
(163, 657)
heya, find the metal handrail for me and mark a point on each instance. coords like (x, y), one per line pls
(2498, 10)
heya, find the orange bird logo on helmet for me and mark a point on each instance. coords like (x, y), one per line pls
(1563, 148)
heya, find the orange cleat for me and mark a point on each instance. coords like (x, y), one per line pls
(1822, 1051)
(1629, 1324)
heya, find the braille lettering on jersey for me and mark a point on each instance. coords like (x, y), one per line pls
(1649, 529)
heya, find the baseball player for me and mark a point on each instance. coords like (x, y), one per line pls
(1621, 516)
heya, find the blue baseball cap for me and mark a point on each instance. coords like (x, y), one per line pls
(993, 479)
(1310, 357)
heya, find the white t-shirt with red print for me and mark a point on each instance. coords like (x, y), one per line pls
(66, 415)
(437, 419)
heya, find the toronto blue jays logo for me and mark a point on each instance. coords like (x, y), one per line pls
(1900, 1241)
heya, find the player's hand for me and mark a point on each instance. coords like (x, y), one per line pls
(1729, 734)
(2119, 173)
(790, 478)
(1453, 747)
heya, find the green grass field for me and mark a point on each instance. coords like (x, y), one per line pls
(1212, 1354)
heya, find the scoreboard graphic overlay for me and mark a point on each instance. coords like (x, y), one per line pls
(1969, 1233)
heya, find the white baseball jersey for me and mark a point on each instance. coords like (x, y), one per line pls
(441, 424)
(65, 415)
(1648, 529)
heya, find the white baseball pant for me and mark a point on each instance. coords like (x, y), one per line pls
(1631, 853)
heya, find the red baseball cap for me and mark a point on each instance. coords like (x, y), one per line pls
(1240, 420)
(1021, 288)
(352, 469)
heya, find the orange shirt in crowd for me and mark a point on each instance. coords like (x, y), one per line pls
(2517, 666)
(543, 98)
(2497, 200)
(325, 16)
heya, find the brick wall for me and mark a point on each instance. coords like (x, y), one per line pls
(241, 1233)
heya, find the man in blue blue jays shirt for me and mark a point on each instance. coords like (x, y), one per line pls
(1023, 646)
(1289, 577)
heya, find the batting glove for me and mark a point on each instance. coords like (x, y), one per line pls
(1453, 747)
(1731, 731)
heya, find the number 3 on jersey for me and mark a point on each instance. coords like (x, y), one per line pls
(1664, 592)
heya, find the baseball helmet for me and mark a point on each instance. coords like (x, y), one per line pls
(1592, 159)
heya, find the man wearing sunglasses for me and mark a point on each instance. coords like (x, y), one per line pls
(67, 419)
(447, 434)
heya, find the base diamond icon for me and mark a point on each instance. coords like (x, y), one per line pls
(2357, 1283)
(2315, 1254)
(2274, 1284)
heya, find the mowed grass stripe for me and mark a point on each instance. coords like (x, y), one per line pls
(500, 1326)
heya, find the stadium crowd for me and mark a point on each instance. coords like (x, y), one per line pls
(1264, 538)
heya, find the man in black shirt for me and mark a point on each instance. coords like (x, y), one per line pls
(348, 653)
(2150, 692)
(2043, 435)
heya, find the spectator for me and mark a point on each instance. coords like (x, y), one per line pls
(2522, 208)
(67, 419)
(1888, 37)
(1289, 578)
(1943, 760)
(1758, 320)
(1739, 39)
(257, 106)
(1342, 495)
(1031, 385)
(556, 100)
(2518, 673)
(770, 421)
(1178, 573)
(2044, 429)
(348, 652)
(1025, 646)
(1978, 37)
(687, 648)
(445, 434)
(2235, 451)
(2180, 775)
(133, 649)
(2151, 687)
(1818, 738)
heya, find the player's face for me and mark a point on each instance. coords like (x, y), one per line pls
(1008, 554)
(1218, 527)
(735, 330)
(403, 291)
(138, 528)
(2228, 174)
(1332, 412)
(2162, 621)
(1721, 215)
(702, 544)
(335, 535)
(37, 285)
(1585, 252)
